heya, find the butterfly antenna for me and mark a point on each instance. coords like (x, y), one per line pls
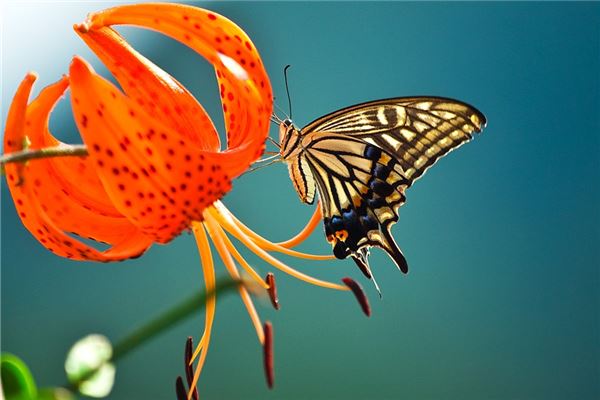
(287, 89)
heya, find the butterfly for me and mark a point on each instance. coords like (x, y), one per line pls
(361, 159)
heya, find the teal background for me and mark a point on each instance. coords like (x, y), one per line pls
(502, 236)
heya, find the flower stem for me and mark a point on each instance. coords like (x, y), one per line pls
(77, 150)
(161, 323)
(169, 318)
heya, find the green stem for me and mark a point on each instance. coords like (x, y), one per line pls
(169, 319)
(161, 323)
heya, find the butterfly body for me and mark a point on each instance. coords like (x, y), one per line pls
(361, 159)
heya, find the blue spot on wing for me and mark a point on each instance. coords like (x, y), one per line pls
(372, 152)
(381, 171)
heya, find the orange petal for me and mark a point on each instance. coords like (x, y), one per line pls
(73, 175)
(62, 193)
(25, 193)
(243, 82)
(159, 94)
(155, 177)
(14, 132)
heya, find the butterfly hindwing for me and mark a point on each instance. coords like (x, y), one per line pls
(361, 188)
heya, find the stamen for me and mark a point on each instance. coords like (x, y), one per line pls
(189, 370)
(236, 254)
(359, 294)
(217, 235)
(306, 231)
(268, 355)
(239, 234)
(272, 290)
(200, 344)
(180, 389)
(209, 280)
(261, 241)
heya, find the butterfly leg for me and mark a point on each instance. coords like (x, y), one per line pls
(361, 258)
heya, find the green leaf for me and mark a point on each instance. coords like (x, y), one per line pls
(88, 366)
(17, 381)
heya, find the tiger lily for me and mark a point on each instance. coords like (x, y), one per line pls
(155, 166)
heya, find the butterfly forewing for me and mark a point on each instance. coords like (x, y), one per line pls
(415, 130)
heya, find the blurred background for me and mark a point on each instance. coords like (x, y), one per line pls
(502, 236)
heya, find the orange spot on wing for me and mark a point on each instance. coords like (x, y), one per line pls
(341, 235)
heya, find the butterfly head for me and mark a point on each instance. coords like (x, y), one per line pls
(289, 137)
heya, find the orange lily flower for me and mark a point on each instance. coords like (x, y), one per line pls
(155, 164)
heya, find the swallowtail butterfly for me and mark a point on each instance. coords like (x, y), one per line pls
(361, 159)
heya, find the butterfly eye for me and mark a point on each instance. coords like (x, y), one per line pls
(284, 128)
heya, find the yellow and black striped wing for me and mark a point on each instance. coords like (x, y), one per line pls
(417, 131)
(361, 187)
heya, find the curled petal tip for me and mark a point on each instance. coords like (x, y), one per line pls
(268, 354)
(30, 77)
(95, 20)
(63, 82)
(77, 62)
(83, 27)
(360, 295)
(79, 68)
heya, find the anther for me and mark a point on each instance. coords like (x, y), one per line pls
(268, 354)
(359, 294)
(180, 389)
(189, 369)
(272, 290)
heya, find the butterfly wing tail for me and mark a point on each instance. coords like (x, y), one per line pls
(392, 249)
